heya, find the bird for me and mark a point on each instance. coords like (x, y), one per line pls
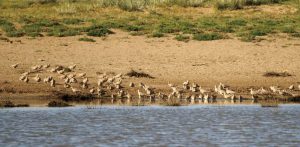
(66, 85)
(142, 85)
(202, 90)
(73, 80)
(140, 94)
(36, 67)
(274, 89)
(52, 83)
(229, 91)
(46, 66)
(71, 76)
(72, 67)
(171, 85)
(26, 80)
(92, 91)
(37, 78)
(101, 82)
(253, 92)
(205, 96)
(15, 65)
(119, 75)
(226, 96)
(75, 90)
(47, 79)
(81, 75)
(185, 85)
(113, 96)
(121, 93)
(53, 70)
(84, 86)
(63, 76)
(262, 91)
(131, 84)
(60, 71)
(22, 77)
(85, 80)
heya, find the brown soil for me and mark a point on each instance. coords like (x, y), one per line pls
(236, 63)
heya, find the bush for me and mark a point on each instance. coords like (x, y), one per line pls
(133, 73)
(58, 104)
(207, 36)
(157, 34)
(87, 39)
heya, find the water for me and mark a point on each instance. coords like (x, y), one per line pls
(202, 125)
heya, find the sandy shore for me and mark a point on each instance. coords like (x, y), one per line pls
(238, 64)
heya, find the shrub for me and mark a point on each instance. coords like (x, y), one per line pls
(133, 73)
(207, 36)
(87, 39)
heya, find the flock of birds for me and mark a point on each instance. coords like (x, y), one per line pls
(111, 85)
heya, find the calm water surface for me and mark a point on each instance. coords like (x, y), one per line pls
(204, 125)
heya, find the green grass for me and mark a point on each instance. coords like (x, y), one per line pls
(144, 17)
(87, 39)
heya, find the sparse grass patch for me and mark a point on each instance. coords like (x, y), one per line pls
(296, 35)
(277, 74)
(87, 39)
(157, 34)
(98, 31)
(72, 21)
(207, 36)
(183, 38)
(133, 73)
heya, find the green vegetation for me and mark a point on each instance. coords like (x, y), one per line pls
(9, 104)
(183, 38)
(207, 36)
(87, 39)
(154, 18)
